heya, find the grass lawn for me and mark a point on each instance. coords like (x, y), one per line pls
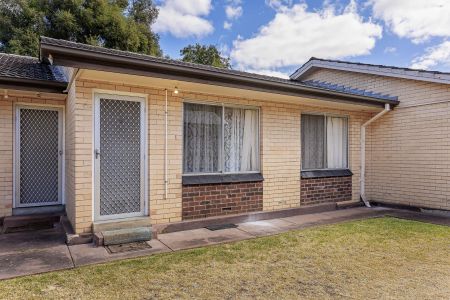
(374, 258)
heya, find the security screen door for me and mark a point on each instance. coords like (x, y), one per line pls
(119, 156)
(38, 156)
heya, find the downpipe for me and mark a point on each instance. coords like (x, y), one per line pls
(362, 180)
(166, 121)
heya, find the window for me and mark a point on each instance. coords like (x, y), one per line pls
(324, 142)
(220, 139)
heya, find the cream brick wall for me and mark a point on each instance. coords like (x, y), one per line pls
(7, 130)
(70, 155)
(408, 150)
(79, 157)
(280, 149)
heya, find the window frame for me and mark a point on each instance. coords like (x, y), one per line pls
(223, 105)
(326, 115)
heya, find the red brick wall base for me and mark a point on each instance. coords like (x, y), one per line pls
(325, 190)
(209, 200)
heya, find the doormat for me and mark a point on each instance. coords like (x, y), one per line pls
(128, 247)
(221, 226)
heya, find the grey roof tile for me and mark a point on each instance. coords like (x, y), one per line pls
(26, 67)
(349, 90)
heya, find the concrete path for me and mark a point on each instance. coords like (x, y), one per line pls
(29, 253)
(25, 253)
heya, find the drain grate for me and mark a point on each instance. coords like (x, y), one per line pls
(221, 226)
(120, 248)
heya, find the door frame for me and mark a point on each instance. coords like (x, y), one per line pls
(123, 96)
(16, 152)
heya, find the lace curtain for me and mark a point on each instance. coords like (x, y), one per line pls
(324, 142)
(204, 148)
(313, 142)
(336, 142)
(202, 138)
(240, 140)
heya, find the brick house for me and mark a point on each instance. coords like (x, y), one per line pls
(117, 140)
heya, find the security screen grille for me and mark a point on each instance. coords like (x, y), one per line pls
(120, 157)
(38, 157)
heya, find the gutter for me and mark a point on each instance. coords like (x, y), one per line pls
(12, 83)
(88, 59)
(362, 179)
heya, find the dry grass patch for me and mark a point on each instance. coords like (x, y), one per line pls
(374, 258)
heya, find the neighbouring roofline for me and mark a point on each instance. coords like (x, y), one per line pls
(71, 54)
(389, 71)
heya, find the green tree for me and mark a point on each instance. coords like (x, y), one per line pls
(205, 55)
(117, 24)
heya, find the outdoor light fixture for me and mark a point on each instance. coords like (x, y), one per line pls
(175, 91)
(5, 96)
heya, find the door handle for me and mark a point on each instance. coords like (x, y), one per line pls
(97, 153)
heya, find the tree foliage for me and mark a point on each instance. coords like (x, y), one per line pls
(205, 55)
(118, 24)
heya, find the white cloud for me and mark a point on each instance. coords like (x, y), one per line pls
(434, 56)
(269, 73)
(227, 25)
(183, 18)
(295, 34)
(224, 49)
(415, 19)
(233, 12)
(390, 50)
(277, 4)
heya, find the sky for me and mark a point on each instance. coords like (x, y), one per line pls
(275, 37)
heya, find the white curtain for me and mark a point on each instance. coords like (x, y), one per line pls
(202, 136)
(313, 142)
(240, 140)
(336, 142)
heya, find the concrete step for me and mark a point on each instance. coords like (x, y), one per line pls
(29, 222)
(39, 210)
(122, 236)
(128, 223)
(73, 238)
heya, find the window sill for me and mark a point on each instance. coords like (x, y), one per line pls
(221, 178)
(326, 173)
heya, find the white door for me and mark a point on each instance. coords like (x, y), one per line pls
(38, 156)
(119, 153)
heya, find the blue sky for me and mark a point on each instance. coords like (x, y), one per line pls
(275, 37)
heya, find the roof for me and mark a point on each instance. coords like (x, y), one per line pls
(17, 69)
(390, 71)
(27, 67)
(346, 89)
(150, 58)
(67, 53)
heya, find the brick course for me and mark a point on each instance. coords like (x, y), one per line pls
(325, 190)
(202, 201)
